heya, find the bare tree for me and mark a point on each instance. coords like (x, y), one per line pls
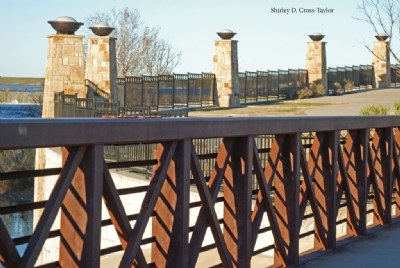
(140, 49)
(384, 18)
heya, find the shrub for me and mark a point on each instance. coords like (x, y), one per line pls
(337, 89)
(349, 85)
(315, 90)
(377, 109)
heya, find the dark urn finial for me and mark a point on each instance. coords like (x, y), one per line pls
(226, 34)
(316, 36)
(65, 25)
(381, 37)
(101, 29)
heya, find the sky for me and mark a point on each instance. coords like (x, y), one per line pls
(266, 40)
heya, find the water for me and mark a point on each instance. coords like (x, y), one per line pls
(18, 224)
(20, 111)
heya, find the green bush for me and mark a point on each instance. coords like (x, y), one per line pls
(377, 109)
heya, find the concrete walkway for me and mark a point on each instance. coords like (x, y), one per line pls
(381, 249)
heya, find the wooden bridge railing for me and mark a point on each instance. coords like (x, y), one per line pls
(352, 163)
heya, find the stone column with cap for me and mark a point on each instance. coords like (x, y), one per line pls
(101, 60)
(64, 73)
(316, 61)
(226, 69)
(65, 65)
(381, 62)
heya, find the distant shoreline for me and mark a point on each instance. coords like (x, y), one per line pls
(22, 80)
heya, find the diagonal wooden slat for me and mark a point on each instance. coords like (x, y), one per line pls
(344, 185)
(273, 160)
(52, 206)
(382, 181)
(268, 174)
(9, 256)
(117, 213)
(264, 190)
(207, 212)
(215, 181)
(148, 204)
(308, 185)
(372, 182)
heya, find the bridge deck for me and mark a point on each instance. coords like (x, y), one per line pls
(380, 249)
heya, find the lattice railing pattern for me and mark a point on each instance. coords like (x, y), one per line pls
(339, 168)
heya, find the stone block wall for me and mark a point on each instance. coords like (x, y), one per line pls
(64, 69)
(381, 64)
(226, 70)
(316, 63)
(101, 64)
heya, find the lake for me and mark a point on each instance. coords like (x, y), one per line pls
(20, 111)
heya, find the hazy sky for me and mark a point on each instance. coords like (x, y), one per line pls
(266, 40)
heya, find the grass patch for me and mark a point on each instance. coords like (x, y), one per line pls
(22, 80)
(396, 107)
(300, 104)
(287, 110)
(377, 109)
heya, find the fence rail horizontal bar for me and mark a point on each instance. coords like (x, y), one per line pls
(30, 133)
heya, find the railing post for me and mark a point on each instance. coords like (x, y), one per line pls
(382, 151)
(396, 169)
(171, 221)
(287, 190)
(81, 212)
(355, 155)
(237, 202)
(323, 166)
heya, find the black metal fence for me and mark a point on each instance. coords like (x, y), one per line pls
(72, 106)
(395, 75)
(341, 79)
(168, 91)
(269, 85)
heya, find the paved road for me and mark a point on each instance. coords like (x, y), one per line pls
(381, 249)
(351, 104)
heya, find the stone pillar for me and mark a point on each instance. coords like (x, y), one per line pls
(381, 62)
(226, 69)
(101, 64)
(316, 61)
(64, 69)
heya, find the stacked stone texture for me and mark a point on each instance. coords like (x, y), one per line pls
(381, 64)
(316, 63)
(101, 64)
(226, 70)
(64, 70)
